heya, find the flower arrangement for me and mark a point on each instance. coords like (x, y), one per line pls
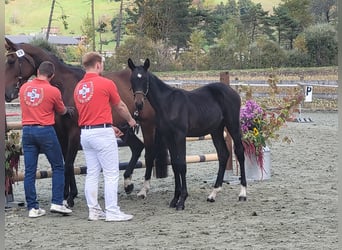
(253, 121)
(12, 154)
(259, 125)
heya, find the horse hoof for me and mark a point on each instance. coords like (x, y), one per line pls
(71, 203)
(180, 208)
(129, 188)
(173, 204)
(142, 196)
(242, 198)
(210, 199)
(75, 195)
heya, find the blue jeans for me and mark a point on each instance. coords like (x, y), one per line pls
(42, 139)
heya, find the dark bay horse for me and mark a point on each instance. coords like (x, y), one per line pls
(22, 63)
(180, 113)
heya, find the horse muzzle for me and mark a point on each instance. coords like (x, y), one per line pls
(139, 99)
(139, 105)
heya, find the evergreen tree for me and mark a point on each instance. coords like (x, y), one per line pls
(287, 28)
(324, 10)
(194, 58)
(254, 20)
(165, 20)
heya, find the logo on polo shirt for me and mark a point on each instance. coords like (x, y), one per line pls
(33, 96)
(84, 91)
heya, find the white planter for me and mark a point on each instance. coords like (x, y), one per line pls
(253, 170)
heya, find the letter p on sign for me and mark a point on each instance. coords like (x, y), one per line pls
(308, 94)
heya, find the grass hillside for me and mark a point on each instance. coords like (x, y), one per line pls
(29, 16)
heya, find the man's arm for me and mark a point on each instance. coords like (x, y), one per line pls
(123, 111)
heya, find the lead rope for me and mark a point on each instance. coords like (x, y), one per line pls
(136, 118)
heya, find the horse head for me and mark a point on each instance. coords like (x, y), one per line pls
(19, 67)
(140, 82)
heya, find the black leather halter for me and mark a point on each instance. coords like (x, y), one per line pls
(20, 60)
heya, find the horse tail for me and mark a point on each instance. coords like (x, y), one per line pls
(161, 155)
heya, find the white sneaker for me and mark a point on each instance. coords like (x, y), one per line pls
(120, 216)
(61, 209)
(34, 213)
(96, 214)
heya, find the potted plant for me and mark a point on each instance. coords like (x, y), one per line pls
(12, 155)
(260, 124)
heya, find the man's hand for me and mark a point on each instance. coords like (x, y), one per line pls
(117, 132)
(136, 128)
(70, 111)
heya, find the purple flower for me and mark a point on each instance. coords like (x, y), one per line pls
(248, 113)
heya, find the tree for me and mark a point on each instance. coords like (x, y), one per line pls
(50, 20)
(162, 20)
(231, 50)
(87, 30)
(122, 22)
(90, 30)
(93, 23)
(118, 31)
(211, 21)
(299, 10)
(136, 48)
(265, 53)
(194, 58)
(180, 31)
(101, 29)
(118, 23)
(62, 17)
(290, 19)
(324, 10)
(287, 28)
(321, 43)
(254, 20)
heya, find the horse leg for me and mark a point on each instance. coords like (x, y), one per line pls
(178, 162)
(174, 202)
(240, 154)
(223, 155)
(184, 190)
(68, 134)
(150, 154)
(149, 160)
(70, 186)
(156, 154)
(136, 146)
(161, 155)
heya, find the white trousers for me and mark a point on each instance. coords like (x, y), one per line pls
(101, 152)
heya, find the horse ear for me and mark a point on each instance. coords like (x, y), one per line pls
(131, 64)
(9, 45)
(147, 64)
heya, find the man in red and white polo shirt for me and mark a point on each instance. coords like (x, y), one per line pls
(39, 101)
(94, 98)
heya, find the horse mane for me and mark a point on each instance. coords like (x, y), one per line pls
(45, 45)
(53, 52)
(165, 85)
